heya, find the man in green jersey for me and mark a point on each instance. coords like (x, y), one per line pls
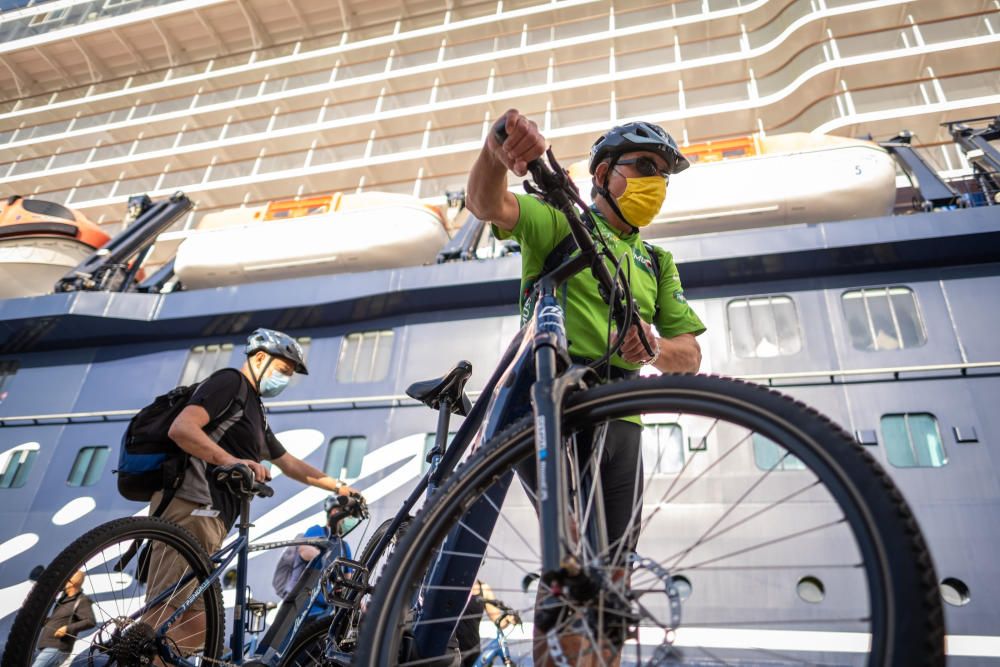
(631, 165)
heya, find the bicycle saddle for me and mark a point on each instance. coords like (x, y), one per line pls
(238, 479)
(451, 387)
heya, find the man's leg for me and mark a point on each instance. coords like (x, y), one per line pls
(167, 568)
(49, 657)
(621, 479)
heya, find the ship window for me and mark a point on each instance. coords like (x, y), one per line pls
(41, 207)
(88, 466)
(766, 326)
(662, 449)
(48, 17)
(203, 360)
(16, 464)
(344, 456)
(913, 440)
(364, 357)
(769, 455)
(429, 445)
(883, 318)
(8, 369)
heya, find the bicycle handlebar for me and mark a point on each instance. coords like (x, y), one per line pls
(557, 189)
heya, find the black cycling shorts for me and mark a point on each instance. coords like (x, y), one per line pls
(621, 481)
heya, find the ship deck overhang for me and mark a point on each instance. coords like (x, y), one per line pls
(707, 263)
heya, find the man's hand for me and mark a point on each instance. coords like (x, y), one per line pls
(349, 491)
(524, 143)
(632, 349)
(61, 632)
(260, 473)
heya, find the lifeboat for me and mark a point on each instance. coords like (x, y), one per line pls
(330, 234)
(40, 242)
(785, 179)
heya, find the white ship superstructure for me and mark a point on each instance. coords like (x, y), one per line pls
(240, 102)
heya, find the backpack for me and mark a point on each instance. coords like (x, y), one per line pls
(287, 573)
(149, 460)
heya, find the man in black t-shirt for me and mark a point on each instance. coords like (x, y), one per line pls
(207, 510)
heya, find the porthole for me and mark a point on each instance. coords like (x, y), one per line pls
(955, 592)
(810, 589)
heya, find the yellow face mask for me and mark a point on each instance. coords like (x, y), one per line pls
(642, 199)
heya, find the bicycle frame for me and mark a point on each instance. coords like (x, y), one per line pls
(239, 549)
(540, 367)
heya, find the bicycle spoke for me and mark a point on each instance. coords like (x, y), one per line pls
(766, 543)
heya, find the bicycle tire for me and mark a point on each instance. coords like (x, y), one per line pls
(309, 645)
(908, 623)
(32, 616)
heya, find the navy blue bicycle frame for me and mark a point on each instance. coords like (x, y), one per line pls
(535, 369)
(239, 549)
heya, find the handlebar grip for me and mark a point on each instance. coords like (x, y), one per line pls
(500, 130)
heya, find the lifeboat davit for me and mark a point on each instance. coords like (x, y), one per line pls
(40, 242)
(336, 233)
(784, 179)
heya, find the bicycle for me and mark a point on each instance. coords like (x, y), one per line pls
(121, 557)
(497, 651)
(844, 528)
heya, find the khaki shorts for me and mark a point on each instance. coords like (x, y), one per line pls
(166, 567)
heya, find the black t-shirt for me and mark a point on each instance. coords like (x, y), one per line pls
(248, 438)
(467, 630)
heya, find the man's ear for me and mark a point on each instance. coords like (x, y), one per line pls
(600, 173)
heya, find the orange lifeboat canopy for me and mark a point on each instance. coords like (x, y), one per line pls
(20, 217)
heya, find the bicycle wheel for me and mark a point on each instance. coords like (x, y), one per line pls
(771, 537)
(310, 643)
(115, 593)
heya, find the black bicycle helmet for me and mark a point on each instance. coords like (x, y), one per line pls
(638, 136)
(277, 344)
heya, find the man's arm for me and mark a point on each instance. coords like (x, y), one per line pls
(303, 472)
(679, 354)
(188, 432)
(487, 196)
(86, 615)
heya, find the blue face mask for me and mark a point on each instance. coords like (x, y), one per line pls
(274, 384)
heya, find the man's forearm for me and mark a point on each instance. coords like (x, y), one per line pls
(313, 476)
(679, 355)
(486, 187)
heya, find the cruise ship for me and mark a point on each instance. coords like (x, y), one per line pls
(820, 265)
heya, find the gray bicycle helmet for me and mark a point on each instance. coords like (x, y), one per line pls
(638, 136)
(277, 344)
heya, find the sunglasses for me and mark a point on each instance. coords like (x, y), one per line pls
(646, 166)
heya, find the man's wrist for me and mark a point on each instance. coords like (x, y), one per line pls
(656, 353)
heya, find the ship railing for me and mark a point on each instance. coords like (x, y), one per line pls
(968, 369)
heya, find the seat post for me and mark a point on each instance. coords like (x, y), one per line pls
(239, 608)
(440, 438)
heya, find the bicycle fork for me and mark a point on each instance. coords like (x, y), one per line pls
(547, 395)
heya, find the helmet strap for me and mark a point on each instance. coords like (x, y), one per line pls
(608, 197)
(257, 378)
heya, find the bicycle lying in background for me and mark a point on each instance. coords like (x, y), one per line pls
(118, 558)
(813, 558)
